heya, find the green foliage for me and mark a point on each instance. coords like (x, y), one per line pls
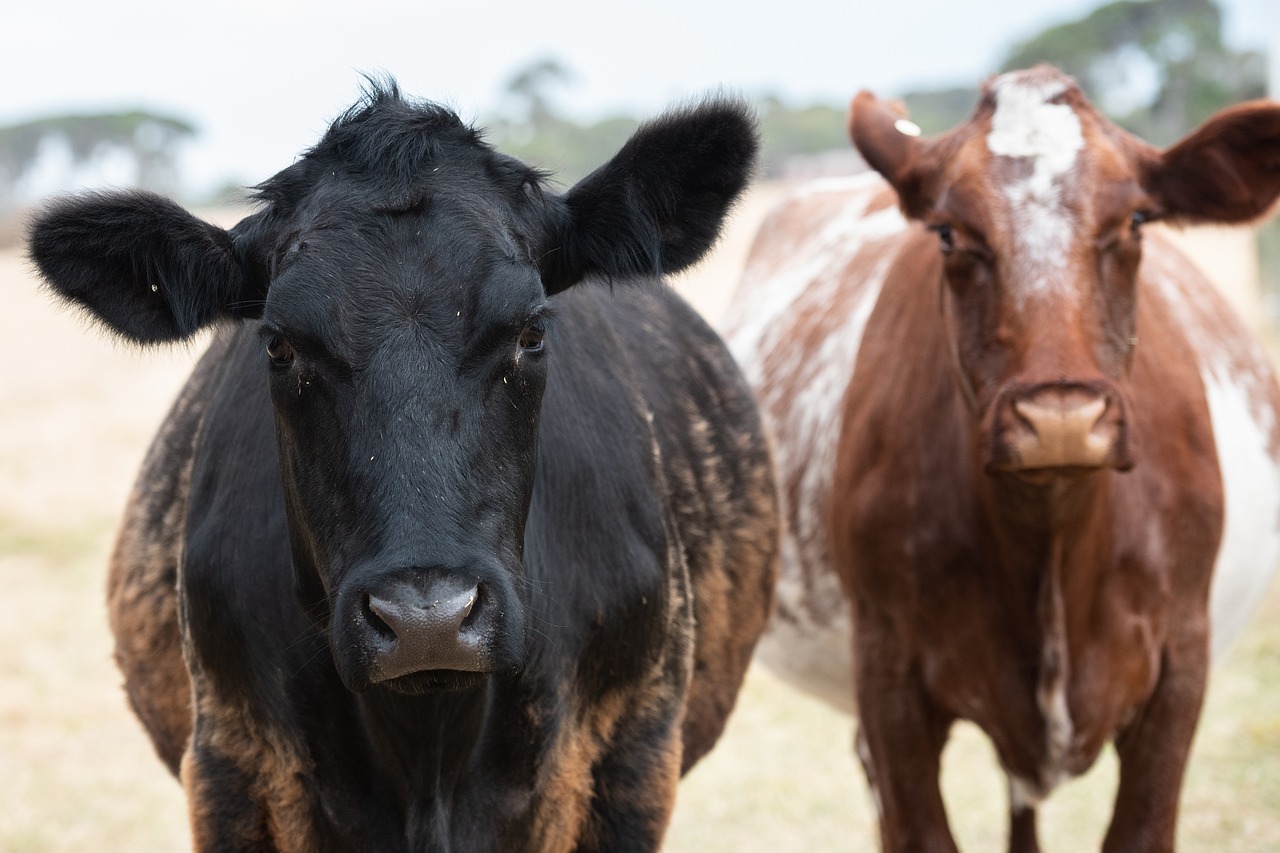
(568, 150)
(1172, 46)
(537, 134)
(938, 110)
(787, 132)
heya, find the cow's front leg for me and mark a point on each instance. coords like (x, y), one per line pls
(635, 779)
(246, 786)
(1153, 752)
(900, 740)
(223, 813)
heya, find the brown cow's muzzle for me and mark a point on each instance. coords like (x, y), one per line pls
(1059, 426)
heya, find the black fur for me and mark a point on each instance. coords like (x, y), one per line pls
(139, 263)
(410, 430)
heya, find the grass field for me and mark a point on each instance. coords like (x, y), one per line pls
(77, 773)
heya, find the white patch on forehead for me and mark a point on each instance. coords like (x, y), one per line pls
(1027, 126)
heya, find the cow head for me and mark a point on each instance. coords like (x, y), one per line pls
(1038, 204)
(398, 276)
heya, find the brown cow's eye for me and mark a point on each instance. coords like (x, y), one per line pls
(1138, 219)
(946, 237)
(531, 336)
(279, 351)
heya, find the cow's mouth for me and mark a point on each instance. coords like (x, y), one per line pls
(433, 681)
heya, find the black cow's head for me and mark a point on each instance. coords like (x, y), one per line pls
(400, 274)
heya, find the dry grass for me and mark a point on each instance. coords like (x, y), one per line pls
(784, 778)
(78, 773)
(81, 775)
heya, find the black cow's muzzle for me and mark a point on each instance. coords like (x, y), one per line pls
(416, 630)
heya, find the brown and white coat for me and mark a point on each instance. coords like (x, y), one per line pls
(1036, 452)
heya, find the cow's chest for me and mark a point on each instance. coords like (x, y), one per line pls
(1049, 676)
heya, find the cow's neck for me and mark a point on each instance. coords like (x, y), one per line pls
(1047, 534)
(1040, 508)
(429, 747)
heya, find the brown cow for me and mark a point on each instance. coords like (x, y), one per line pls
(1040, 459)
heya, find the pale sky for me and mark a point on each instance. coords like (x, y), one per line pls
(262, 78)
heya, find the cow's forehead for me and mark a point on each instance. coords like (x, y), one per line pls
(1031, 122)
(355, 282)
(1031, 179)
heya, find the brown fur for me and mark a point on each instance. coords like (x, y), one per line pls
(1056, 609)
(142, 596)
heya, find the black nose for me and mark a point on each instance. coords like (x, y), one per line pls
(427, 624)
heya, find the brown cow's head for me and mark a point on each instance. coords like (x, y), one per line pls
(1038, 203)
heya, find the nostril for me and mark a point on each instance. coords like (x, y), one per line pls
(369, 609)
(1056, 413)
(472, 608)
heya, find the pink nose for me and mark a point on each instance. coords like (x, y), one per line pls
(1062, 425)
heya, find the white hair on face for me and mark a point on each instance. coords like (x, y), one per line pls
(1026, 125)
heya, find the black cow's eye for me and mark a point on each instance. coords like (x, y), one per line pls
(531, 336)
(945, 236)
(279, 351)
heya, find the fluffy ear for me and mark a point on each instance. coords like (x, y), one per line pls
(658, 205)
(892, 146)
(1227, 171)
(140, 264)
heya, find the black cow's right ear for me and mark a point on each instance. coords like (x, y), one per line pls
(143, 266)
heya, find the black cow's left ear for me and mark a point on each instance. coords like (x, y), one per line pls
(147, 269)
(658, 205)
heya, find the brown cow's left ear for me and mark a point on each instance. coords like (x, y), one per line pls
(1227, 171)
(892, 146)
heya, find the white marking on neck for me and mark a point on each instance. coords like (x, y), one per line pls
(1027, 125)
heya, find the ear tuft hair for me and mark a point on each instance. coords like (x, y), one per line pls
(658, 205)
(137, 262)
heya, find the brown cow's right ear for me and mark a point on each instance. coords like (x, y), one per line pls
(892, 146)
(1227, 171)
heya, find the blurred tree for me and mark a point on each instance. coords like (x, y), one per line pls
(788, 132)
(149, 139)
(936, 110)
(1158, 67)
(529, 87)
(534, 131)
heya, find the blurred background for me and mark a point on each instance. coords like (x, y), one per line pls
(202, 101)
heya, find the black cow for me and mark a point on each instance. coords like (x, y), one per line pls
(445, 546)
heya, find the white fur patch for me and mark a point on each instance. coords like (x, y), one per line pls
(1023, 794)
(1026, 125)
(1251, 490)
(1238, 379)
(802, 394)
